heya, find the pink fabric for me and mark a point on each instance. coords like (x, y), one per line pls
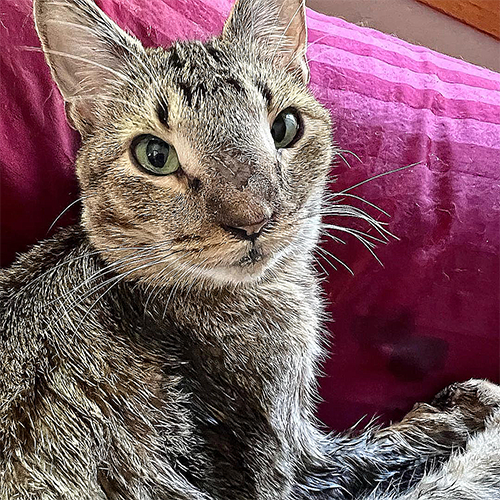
(430, 316)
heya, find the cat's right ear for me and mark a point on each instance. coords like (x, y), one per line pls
(87, 52)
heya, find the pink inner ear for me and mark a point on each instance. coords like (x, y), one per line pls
(293, 37)
(78, 44)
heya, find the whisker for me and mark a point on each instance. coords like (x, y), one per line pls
(84, 256)
(152, 286)
(384, 233)
(381, 175)
(163, 275)
(355, 212)
(101, 272)
(351, 153)
(114, 281)
(318, 261)
(339, 153)
(117, 280)
(341, 210)
(201, 269)
(358, 234)
(175, 287)
(350, 195)
(342, 157)
(336, 259)
(64, 211)
(64, 300)
(367, 244)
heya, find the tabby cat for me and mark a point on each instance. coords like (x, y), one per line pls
(167, 346)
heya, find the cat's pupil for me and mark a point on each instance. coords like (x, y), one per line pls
(278, 130)
(285, 129)
(157, 152)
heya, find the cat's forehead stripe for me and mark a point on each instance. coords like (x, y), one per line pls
(162, 113)
(216, 54)
(265, 90)
(175, 61)
(187, 92)
(200, 70)
(195, 93)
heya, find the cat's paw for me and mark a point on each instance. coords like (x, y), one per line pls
(463, 392)
(455, 414)
(475, 400)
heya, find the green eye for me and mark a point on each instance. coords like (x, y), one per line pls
(286, 128)
(154, 155)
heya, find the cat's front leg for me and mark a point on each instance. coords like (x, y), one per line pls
(396, 458)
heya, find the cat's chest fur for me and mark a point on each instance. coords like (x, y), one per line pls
(249, 376)
(217, 386)
(244, 362)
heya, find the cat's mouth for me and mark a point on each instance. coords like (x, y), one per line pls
(235, 261)
(245, 264)
(254, 255)
(252, 261)
(249, 261)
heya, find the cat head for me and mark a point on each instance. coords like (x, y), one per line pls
(199, 162)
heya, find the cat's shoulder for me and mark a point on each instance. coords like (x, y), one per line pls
(68, 245)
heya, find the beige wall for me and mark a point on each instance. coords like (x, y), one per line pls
(418, 24)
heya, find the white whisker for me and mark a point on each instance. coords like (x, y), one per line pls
(64, 211)
(351, 153)
(350, 195)
(324, 250)
(381, 175)
(117, 280)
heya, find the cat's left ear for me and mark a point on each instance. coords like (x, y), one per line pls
(277, 29)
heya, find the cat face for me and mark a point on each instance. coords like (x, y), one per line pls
(200, 162)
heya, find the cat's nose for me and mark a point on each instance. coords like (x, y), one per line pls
(254, 229)
(248, 232)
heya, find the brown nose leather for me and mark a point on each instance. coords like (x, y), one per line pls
(254, 228)
(242, 213)
(249, 232)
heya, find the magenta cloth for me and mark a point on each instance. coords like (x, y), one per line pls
(430, 316)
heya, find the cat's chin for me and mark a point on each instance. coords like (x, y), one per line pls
(254, 266)
(249, 269)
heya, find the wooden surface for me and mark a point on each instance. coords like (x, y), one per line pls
(481, 14)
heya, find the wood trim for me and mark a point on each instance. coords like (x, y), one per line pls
(483, 15)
